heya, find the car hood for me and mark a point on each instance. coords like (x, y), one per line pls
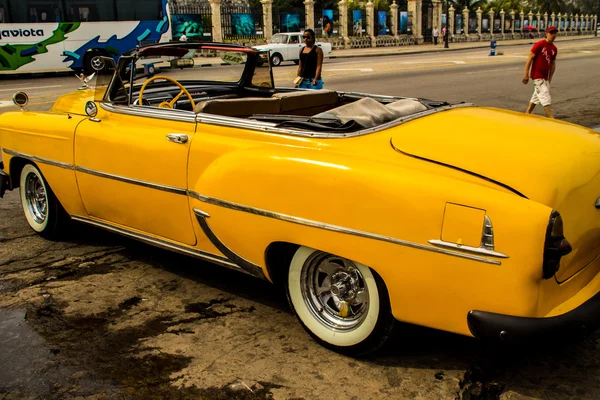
(551, 162)
(74, 103)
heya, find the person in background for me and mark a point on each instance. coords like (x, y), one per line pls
(436, 34)
(327, 26)
(541, 63)
(311, 62)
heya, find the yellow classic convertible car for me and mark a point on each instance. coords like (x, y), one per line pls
(367, 209)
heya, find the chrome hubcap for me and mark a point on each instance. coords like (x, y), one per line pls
(35, 196)
(334, 291)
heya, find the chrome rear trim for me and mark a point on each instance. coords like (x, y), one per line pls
(469, 249)
(160, 243)
(336, 228)
(40, 160)
(164, 188)
(246, 265)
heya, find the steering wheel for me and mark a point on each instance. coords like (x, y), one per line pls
(167, 104)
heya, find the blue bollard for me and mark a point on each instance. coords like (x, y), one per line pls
(149, 69)
(493, 48)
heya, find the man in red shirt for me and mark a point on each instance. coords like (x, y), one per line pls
(542, 62)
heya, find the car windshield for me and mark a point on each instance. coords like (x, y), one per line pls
(184, 64)
(179, 75)
(279, 39)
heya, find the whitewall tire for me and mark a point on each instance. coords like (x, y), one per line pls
(340, 302)
(41, 208)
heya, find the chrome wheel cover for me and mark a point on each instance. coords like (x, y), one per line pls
(334, 291)
(35, 198)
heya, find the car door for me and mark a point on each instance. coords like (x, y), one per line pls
(131, 169)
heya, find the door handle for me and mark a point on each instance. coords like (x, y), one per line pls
(180, 138)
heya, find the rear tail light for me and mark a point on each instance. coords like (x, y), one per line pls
(556, 246)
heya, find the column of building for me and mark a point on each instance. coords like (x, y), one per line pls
(215, 9)
(437, 14)
(309, 14)
(343, 30)
(502, 15)
(267, 6)
(450, 22)
(370, 15)
(394, 11)
(512, 23)
(522, 14)
(479, 14)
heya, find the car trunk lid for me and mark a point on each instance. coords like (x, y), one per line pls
(551, 162)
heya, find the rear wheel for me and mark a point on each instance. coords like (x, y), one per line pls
(276, 59)
(341, 303)
(42, 210)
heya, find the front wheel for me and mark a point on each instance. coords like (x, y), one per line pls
(42, 210)
(276, 60)
(341, 303)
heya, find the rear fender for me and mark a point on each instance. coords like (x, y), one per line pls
(351, 206)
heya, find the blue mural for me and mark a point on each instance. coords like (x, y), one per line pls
(243, 24)
(381, 22)
(190, 24)
(289, 22)
(144, 31)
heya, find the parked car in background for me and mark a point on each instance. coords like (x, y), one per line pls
(364, 208)
(286, 47)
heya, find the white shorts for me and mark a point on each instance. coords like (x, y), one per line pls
(541, 92)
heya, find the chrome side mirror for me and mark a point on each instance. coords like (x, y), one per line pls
(20, 99)
(91, 109)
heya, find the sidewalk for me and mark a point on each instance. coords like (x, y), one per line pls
(430, 48)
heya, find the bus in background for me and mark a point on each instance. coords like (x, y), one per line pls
(58, 35)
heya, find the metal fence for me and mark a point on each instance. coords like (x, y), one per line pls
(241, 23)
(195, 21)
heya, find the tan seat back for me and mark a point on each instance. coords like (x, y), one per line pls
(307, 102)
(243, 107)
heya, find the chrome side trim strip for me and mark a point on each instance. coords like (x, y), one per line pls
(335, 228)
(156, 186)
(469, 249)
(39, 159)
(159, 243)
(246, 265)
